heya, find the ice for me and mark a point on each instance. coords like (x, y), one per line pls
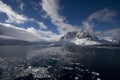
(76, 78)
(99, 79)
(38, 72)
(95, 73)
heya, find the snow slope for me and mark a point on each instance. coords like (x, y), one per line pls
(83, 38)
(86, 41)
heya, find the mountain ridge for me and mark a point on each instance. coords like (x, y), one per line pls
(84, 38)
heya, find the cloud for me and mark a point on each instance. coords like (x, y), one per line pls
(13, 17)
(28, 34)
(42, 25)
(88, 26)
(35, 5)
(20, 3)
(115, 33)
(45, 35)
(18, 33)
(111, 33)
(51, 8)
(104, 15)
(21, 6)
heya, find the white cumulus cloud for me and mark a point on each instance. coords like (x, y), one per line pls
(12, 15)
(51, 8)
(44, 35)
(21, 6)
(18, 33)
(28, 34)
(104, 15)
(42, 25)
(115, 33)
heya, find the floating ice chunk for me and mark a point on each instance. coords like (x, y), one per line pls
(76, 78)
(68, 68)
(95, 73)
(77, 63)
(38, 72)
(87, 70)
(99, 79)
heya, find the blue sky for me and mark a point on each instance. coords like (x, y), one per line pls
(51, 19)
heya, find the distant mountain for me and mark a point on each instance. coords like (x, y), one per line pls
(83, 38)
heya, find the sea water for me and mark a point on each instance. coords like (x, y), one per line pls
(38, 62)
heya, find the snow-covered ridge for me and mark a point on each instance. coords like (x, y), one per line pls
(83, 38)
(78, 35)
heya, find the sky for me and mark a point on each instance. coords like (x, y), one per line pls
(51, 19)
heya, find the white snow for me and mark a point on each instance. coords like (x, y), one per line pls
(84, 38)
(86, 41)
(81, 38)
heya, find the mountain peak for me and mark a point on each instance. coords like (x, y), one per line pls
(85, 38)
(78, 35)
(81, 38)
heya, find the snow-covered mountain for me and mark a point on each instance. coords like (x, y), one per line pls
(17, 33)
(83, 38)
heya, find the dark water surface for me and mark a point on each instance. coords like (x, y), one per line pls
(35, 62)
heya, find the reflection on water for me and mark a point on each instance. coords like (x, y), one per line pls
(59, 63)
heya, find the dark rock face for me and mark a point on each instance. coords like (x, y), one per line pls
(69, 35)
